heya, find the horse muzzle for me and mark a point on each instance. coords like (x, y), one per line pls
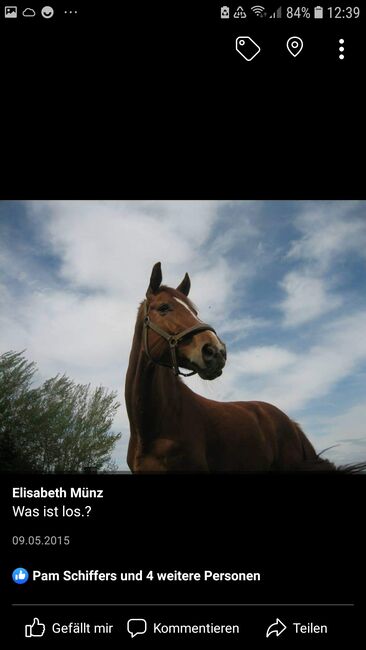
(214, 357)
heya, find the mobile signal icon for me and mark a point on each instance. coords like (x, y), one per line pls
(277, 13)
(258, 10)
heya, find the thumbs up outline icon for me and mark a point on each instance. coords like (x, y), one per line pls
(35, 629)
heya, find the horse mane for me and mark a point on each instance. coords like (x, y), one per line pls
(321, 465)
(352, 468)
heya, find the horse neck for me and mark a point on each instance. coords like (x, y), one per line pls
(152, 392)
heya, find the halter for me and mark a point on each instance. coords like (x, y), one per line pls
(173, 341)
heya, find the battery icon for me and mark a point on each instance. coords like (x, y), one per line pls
(318, 12)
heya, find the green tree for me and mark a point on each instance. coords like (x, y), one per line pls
(16, 376)
(59, 426)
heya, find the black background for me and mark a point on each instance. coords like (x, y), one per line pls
(303, 533)
(151, 101)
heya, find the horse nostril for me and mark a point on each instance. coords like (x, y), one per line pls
(209, 352)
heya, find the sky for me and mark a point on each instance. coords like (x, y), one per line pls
(282, 282)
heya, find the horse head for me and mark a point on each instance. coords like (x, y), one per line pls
(174, 336)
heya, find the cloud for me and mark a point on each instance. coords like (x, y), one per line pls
(329, 230)
(344, 432)
(239, 328)
(263, 360)
(331, 235)
(239, 225)
(112, 245)
(29, 13)
(293, 380)
(307, 298)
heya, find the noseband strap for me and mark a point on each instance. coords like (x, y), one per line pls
(172, 339)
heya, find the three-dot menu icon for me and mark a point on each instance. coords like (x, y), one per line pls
(341, 48)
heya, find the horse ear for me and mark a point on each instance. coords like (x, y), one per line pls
(155, 279)
(185, 285)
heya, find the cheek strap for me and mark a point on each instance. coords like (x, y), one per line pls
(172, 339)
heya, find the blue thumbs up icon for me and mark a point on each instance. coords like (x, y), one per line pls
(20, 576)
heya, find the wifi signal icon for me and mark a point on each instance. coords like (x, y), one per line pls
(258, 10)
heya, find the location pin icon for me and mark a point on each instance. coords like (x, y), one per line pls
(295, 45)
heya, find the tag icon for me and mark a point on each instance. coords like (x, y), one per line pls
(246, 47)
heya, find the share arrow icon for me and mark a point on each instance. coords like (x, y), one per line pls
(276, 628)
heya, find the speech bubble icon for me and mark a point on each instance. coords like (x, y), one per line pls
(136, 626)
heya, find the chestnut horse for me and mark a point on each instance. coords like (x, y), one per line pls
(172, 428)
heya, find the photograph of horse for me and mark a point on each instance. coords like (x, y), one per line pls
(172, 428)
(268, 375)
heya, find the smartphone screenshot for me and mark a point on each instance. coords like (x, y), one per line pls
(182, 324)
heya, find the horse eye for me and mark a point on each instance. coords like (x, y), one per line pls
(163, 308)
